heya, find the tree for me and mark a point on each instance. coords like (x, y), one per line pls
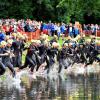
(79, 9)
(85, 11)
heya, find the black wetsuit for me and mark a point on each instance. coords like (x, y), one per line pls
(82, 55)
(2, 66)
(42, 55)
(51, 53)
(7, 60)
(17, 60)
(89, 52)
(30, 60)
(62, 55)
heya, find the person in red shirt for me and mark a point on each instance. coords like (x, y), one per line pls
(6, 28)
(11, 28)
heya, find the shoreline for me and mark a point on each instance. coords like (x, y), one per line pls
(76, 69)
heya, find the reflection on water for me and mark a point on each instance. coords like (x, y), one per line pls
(55, 88)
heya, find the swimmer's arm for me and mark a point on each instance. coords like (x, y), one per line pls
(5, 54)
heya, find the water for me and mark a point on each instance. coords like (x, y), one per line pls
(51, 88)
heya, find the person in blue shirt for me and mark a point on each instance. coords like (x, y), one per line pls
(71, 30)
(49, 28)
(52, 29)
(63, 28)
(45, 28)
(2, 36)
(76, 31)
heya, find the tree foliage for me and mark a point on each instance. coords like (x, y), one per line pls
(85, 11)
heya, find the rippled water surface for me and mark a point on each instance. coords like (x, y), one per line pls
(52, 88)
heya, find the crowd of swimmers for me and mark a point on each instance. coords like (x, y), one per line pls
(46, 52)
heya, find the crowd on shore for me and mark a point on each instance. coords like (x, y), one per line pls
(9, 26)
(75, 48)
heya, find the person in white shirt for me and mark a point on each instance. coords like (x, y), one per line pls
(55, 28)
(58, 31)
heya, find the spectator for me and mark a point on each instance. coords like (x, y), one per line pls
(52, 29)
(58, 30)
(2, 36)
(45, 27)
(71, 30)
(76, 31)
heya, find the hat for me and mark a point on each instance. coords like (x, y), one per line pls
(88, 40)
(14, 34)
(66, 44)
(33, 41)
(83, 35)
(43, 36)
(46, 36)
(55, 36)
(10, 41)
(47, 40)
(46, 43)
(7, 37)
(70, 44)
(22, 36)
(25, 35)
(74, 39)
(3, 43)
(18, 34)
(38, 41)
(69, 38)
(78, 37)
(55, 44)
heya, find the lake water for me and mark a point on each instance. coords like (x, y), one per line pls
(52, 88)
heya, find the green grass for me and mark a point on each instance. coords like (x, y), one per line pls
(98, 38)
(23, 56)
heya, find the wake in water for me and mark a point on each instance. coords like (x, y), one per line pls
(76, 69)
(25, 75)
